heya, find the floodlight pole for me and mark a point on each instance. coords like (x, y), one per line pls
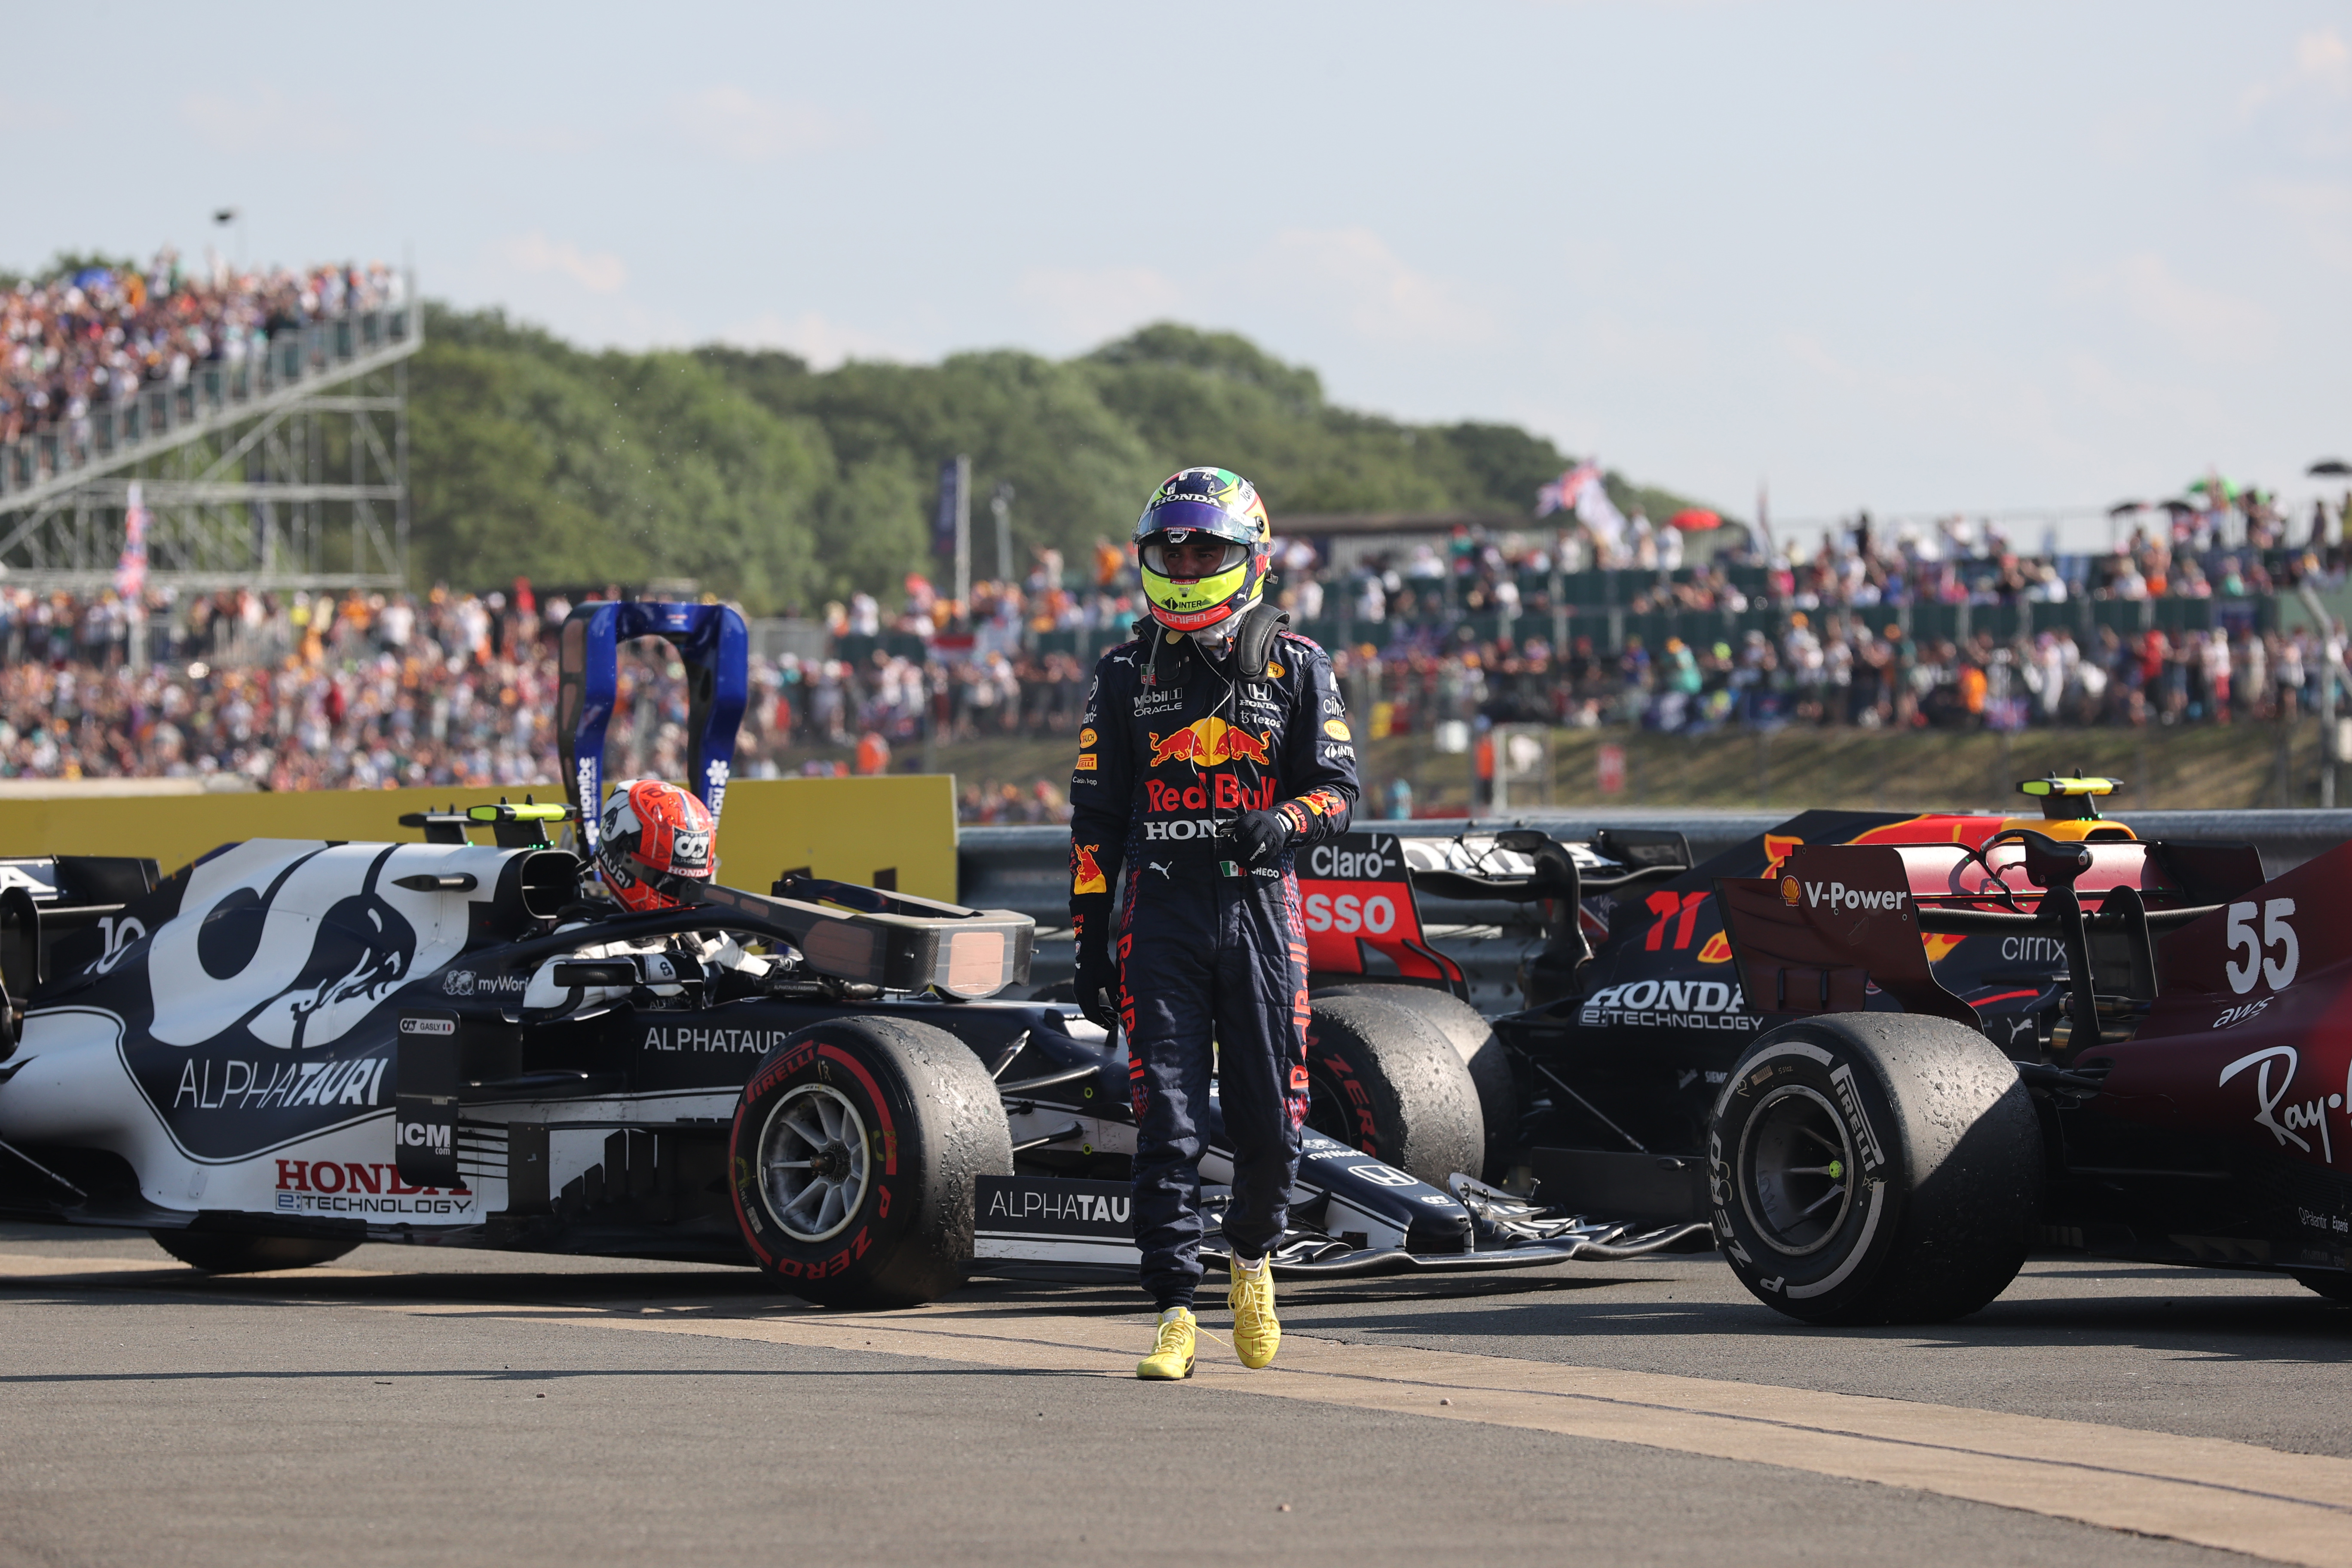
(1001, 503)
(963, 529)
(2328, 655)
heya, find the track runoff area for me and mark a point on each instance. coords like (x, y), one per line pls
(412, 1405)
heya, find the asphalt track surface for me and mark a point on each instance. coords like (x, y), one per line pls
(412, 1406)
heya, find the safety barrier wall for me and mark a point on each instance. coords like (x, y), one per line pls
(853, 830)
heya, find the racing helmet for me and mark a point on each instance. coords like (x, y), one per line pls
(1221, 505)
(653, 835)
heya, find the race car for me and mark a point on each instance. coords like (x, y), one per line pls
(1595, 1092)
(1890, 1154)
(289, 1047)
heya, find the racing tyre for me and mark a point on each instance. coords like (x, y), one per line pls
(1481, 1051)
(218, 1252)
(1384, 1080)
(2334, 1285)
(853, 1156)
(1874, 1168)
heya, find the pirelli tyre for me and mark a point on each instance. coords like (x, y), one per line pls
(220, 1252)
(1474, 1039)
(1874, 1168)
(853, 1156)
(1382, 1078)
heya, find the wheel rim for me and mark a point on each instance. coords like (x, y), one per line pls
(812, 1163)
(1796, 1170)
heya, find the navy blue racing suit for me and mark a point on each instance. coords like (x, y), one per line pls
(1175, 746)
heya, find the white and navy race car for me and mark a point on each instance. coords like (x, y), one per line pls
(290, 1048)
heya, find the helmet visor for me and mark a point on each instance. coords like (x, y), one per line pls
(1157, 552)
(1197, 515)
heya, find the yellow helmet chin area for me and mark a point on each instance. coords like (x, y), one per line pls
(1183, 598)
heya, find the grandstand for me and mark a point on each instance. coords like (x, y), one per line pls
(284, 466)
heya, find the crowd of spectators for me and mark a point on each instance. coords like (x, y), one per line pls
(365, 690)
(99, 333)
(318, 692)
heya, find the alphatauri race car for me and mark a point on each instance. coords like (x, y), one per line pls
(1596, 1093)
(1890, 1152)
(289, 1047)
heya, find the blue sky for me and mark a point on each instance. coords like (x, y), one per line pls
(1910, 257)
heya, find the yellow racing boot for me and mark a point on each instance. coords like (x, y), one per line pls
(1171, 1352)
(1257, 1332)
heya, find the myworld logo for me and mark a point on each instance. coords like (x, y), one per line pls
(1838, 896)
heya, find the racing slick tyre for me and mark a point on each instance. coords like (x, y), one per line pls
(2335, 1286)
(1874, 1168)
(218, 1252)
(853, 1156)
(1481, 1050)
(1384, 1080)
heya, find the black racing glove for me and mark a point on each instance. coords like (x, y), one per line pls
(1260, 836)
(1098, 985)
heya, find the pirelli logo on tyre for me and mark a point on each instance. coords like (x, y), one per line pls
(1865, 1137)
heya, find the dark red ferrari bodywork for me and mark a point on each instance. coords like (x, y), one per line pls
(2196, 1096)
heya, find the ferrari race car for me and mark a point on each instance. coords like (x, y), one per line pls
(1596, 1093)
(289, 1047)
(1890, 1152)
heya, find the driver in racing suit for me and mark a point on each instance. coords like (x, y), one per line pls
(654, 835)
(1212, 747)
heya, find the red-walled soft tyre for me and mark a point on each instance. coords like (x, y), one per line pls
(1482, 1053)
(1387, 1080)
(853, 1157)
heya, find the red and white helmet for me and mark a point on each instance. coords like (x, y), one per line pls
(653, 834)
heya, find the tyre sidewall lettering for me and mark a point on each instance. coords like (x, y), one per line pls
(1356, 1098)
(1869, 1226)
(815, 1061)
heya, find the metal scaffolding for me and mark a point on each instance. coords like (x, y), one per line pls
(287, 469)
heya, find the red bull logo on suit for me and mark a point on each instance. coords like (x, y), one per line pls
(1205, 742)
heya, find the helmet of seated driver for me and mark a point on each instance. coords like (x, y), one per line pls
(653, 836)
(1219, 504)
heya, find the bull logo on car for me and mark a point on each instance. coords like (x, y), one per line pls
(1205, 742)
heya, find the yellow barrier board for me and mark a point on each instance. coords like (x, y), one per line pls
(851, 830)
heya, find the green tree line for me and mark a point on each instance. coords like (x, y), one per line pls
(784, 486)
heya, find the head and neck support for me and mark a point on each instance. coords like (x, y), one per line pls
(712, 642)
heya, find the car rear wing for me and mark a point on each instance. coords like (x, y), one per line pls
(1362, 896)
(1838, 921)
